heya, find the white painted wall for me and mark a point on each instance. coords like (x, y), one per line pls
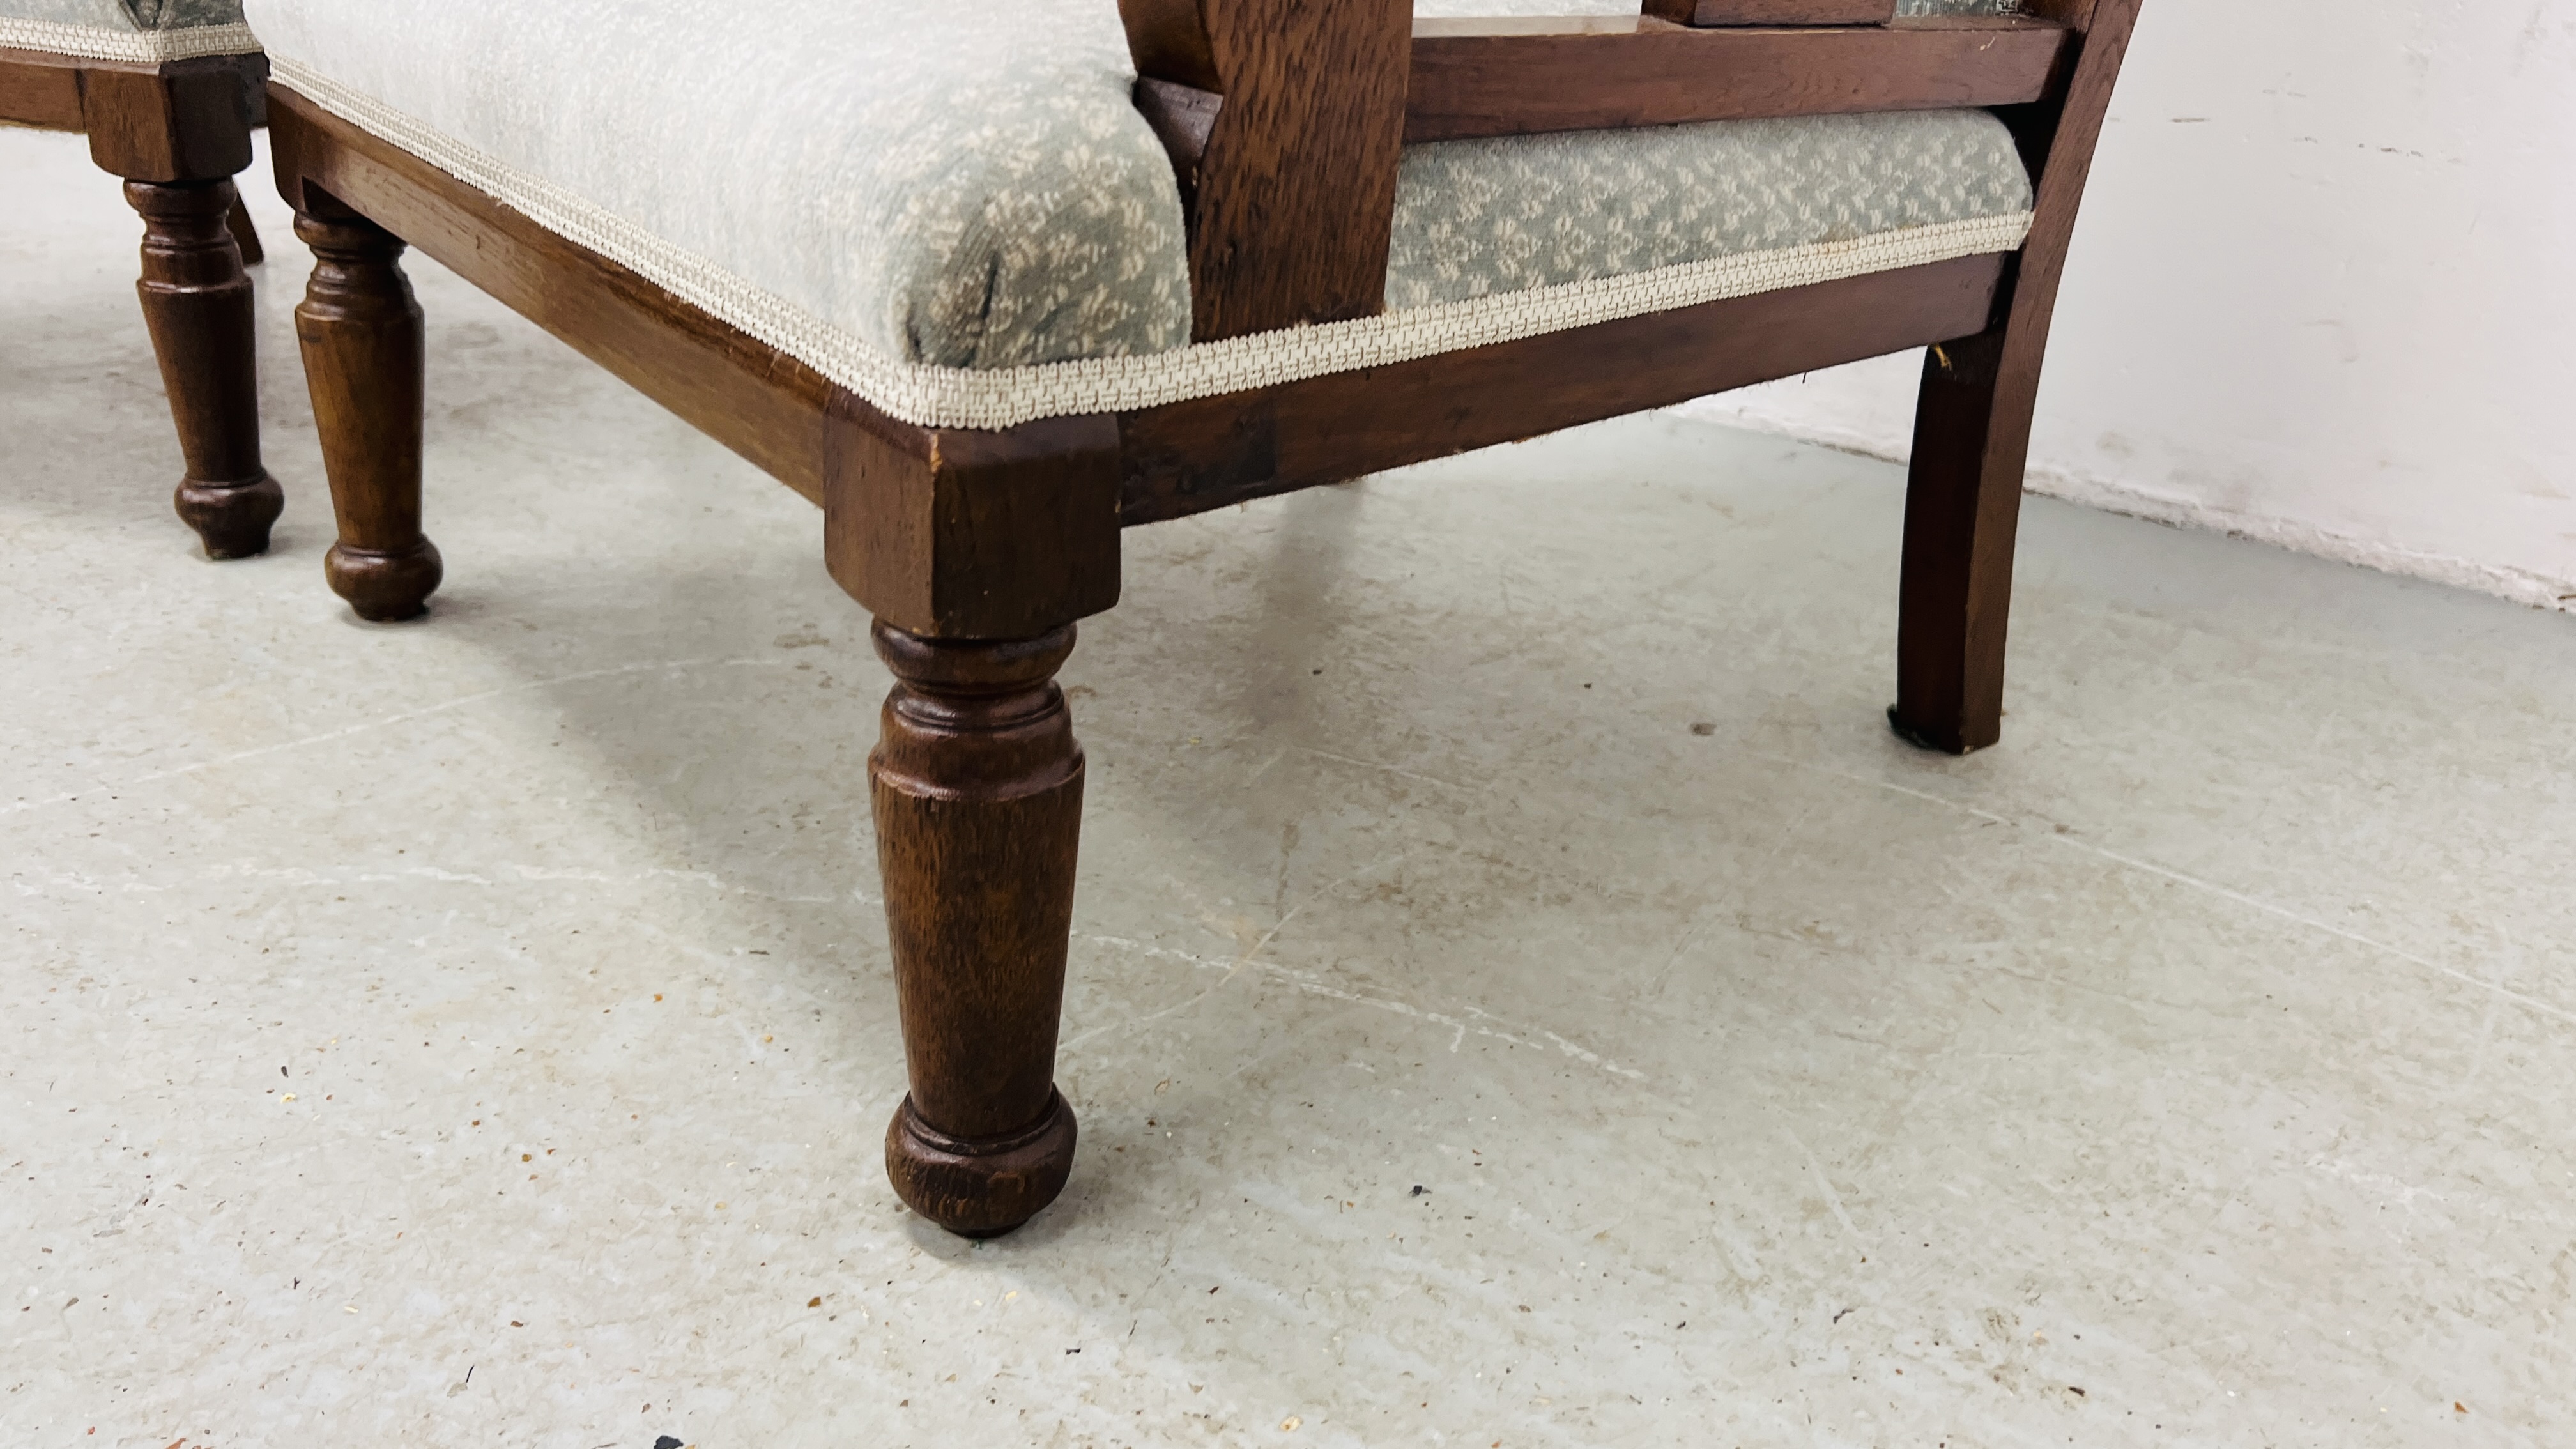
(2323, 293)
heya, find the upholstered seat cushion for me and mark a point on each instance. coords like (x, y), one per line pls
(956, 211)
(144, 32)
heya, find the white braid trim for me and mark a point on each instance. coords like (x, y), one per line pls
(138, 47)
(962, 397)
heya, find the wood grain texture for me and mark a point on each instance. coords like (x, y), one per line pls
(745, 394)
(197, 303)
(361, 335)
(1972, 429)
(1172, 40)
(1773, 12)
(186, 120)
(977, 785)
(177, 133)
(1182, 118)
(245, 234)
(1512, 77)
(40, 90)
(958, 533)
(2075, 13)
(1294, 189)
(1189, 457)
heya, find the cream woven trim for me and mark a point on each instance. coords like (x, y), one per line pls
(961, 397)
(141, 47)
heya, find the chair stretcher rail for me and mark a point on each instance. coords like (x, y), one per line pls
(1522, 76)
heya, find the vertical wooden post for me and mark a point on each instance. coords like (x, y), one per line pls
(1286, 122)
(1973, 418)
(978, 791)
(1962, 510)
(361, 334)
(245, 235)
(197, 303)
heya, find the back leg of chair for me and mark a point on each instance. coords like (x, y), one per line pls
(1962, 507)
(197, 303)
(361, 335)
(245, 234)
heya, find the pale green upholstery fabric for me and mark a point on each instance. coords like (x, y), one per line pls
(927, 200)
(126, 14)
(140, 31)
(1479, 217)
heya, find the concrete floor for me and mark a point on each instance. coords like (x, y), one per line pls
(1521, 994)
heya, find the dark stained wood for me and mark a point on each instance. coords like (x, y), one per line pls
(143, 108)
(1294, 189)
(745, 394)
(1773, 12)
(977, 550)
(1182, 117)
(1972, 431)
(177, 133)
(977, 784)
(2076, 13)
(38, 89)
(197, 303)
(245, 234)
(187, 120)
(1171, 40)
(1518, 76)
(1189, 457)
(361, 333)
(961, 533)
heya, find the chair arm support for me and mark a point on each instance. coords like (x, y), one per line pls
(1296, 108)
(1286, 119)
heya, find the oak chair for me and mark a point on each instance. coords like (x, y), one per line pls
(990, 284)
(167, 91)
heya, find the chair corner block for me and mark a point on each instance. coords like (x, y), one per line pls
(960, 533)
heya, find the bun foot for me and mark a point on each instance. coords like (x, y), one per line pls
(231, 519)
(384, 588)
(980, 1189)
(197, 303)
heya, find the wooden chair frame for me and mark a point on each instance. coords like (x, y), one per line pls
(178, 132)
(978, 550)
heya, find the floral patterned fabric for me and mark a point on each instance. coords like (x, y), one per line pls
(130, 32)
(1478, 217)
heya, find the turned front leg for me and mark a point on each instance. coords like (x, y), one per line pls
(197, 303)
(978, 789)
(361, 334)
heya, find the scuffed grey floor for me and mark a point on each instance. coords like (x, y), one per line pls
(1521, 992)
